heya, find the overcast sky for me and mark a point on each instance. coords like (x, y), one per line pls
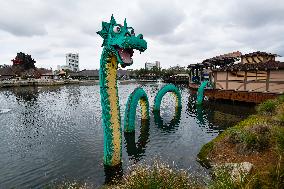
(178, 32)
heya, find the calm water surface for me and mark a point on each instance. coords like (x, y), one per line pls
(53, 134)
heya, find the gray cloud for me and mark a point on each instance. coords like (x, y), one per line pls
(254, 14)
(20, 29)
(156, 19)
(22, 18)
(177, 31)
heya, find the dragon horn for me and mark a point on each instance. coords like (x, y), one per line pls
(112, 20)
(125, 23)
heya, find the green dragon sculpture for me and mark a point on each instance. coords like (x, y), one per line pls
(200, 92)
(119, 41)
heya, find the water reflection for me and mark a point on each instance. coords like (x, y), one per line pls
(26, 94)
(73, 96)
(216, 115)
(2, 111)
(172, 125)
(113, 173)
(137, 150)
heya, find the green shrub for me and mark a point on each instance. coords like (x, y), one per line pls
(280, 118)
(256, 137)
(276, 175)
(268, 106)
(222, 180)
(280, 139)
(67, 185)
(251, 120)
(281, 98)
(159, 175)
(203, 153)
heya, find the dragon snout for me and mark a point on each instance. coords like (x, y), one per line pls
(127, 34)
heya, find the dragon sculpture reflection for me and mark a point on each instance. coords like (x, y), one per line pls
(119, 41)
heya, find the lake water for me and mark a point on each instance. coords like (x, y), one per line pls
(54, 134)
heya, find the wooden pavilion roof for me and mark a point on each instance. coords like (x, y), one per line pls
(263, 66)
(259, 53)
(220, 60)
(224, 59)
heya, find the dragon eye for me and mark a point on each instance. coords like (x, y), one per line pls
(116, 29)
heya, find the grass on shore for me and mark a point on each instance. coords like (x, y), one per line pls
(157, 175)
(258, 139)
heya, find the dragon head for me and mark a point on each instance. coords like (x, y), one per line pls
(121, 40)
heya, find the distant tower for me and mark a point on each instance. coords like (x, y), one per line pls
(158, 64)
(150, 66)
(72, 61)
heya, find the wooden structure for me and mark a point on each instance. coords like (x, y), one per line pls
(85, 75)
(46, 76)
(256, 78)
(241, 96)
(177, 79)
(257, 57)
(201, 71)
(251, 75)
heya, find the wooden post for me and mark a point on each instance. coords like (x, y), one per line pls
(215, 79)
(245, 81)
(256, 75)
(189, 79)
(200, 73)
(227, 77)
(267, 79)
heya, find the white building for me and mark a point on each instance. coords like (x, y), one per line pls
(72, 62)
(150, 66)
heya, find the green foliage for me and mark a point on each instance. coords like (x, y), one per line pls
(268, 106)
(203, 153)
(207, 148)
(251, 120)
(158, 175)
(252, 138)
(272, 178)
(24, 61)
(66, 185)
(280, 99)
(279, 134)
(280, 118)
(157, 72)
(223, 180)
(275, 177)
(256, 133)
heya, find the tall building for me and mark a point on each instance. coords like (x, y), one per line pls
(150, 65)
(72, 61)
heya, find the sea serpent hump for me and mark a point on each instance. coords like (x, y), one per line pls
(138, 95)
(167, 88)
(200, 91)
